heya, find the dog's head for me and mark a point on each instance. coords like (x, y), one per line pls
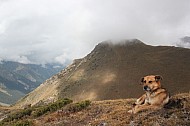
(151, 82)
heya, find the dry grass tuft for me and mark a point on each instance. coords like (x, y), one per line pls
(114, 113)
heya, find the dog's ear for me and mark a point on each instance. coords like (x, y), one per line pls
(158, 78)
(142, 80)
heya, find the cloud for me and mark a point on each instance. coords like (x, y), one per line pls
(46, 31)
(184, 42)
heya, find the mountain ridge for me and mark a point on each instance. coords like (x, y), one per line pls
(112, 71)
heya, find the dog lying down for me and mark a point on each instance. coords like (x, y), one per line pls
(155, 96)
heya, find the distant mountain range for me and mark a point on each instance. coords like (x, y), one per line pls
(17, 79)
(112, 71)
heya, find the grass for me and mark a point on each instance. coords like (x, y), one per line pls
(176, 112)
(16, 117)
(114, 112)
(108, 112)
(50, 107)
(23, 123)
(78, 106)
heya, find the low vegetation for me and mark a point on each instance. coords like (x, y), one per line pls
(115, 113)
(102, 113)
(78, 106)
(50, 107)
(23, 123)
(176, 113)
(17, 117)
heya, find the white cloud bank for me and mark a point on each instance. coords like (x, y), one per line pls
(46, 31)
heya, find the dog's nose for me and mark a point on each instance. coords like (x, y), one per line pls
(145, 88)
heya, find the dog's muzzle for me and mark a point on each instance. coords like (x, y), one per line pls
(146, 88)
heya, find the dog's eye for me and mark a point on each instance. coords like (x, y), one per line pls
(144, 81)
(150, 82)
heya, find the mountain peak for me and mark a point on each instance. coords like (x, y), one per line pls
(107, 45)
(119, 42)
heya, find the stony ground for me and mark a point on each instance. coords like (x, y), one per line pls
(110, 112)
(114, 113)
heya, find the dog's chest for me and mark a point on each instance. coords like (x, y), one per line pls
(150, 98)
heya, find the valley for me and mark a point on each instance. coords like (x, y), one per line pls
(17, 79)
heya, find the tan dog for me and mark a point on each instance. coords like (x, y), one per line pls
(154, 98)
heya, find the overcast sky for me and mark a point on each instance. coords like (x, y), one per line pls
(45, 31)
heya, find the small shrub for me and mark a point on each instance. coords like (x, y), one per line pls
(23, 123)
(36, 111)
(79, 106)
(40, 111)
(51, 107)
(18, 115)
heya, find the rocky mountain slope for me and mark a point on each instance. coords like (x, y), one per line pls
(112, 71)
(17, 79)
